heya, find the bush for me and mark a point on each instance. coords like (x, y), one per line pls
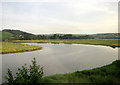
(26, 76)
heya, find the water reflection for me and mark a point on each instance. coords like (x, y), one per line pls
(62, 58)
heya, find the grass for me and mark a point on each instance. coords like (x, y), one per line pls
(106, 42)
(106, 74)
(5, 35)
(15, 47)
(8, 47)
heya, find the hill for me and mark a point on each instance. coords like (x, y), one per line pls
(8, 34)
(107, 36)
(19, 35)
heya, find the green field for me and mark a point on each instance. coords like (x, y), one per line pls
(8, 47)
(106, 74)
(106, 42)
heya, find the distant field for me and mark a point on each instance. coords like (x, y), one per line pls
(106, 42)
(8, 47)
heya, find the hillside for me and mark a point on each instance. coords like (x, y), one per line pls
(20, 35)
(107, 36)
(6, 36)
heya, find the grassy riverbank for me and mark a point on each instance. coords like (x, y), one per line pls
(106, 42)
(8, 47)
(106, 74)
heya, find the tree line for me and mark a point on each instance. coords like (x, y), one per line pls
(8, 34)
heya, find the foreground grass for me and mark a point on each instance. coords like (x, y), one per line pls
(8, 47)
(106, 42)
(106, 74)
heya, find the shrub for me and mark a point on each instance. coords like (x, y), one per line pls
(25, 75)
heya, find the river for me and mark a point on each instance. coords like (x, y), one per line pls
(61, 58)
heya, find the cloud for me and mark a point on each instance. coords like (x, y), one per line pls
(53, 16)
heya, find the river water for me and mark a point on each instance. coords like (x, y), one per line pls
(61, 58)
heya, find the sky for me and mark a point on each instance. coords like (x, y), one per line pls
(61, 16)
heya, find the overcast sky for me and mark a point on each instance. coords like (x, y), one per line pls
(61, 16)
